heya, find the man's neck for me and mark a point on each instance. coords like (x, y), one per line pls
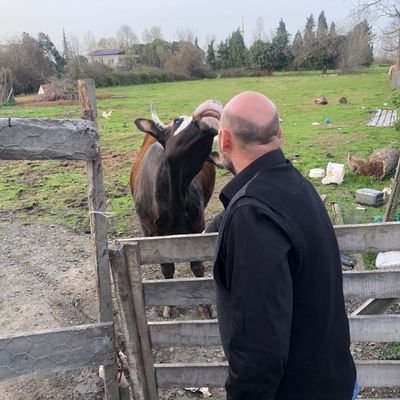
(242, 159)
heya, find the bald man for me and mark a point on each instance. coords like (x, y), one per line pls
(277, 269)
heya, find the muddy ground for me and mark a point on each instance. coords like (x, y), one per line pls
(47, 281)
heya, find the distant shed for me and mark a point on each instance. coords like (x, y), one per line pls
(43, 89)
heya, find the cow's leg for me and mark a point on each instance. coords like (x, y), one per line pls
(205, 310)
(168, 271)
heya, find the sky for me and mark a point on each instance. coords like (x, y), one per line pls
(204, 18)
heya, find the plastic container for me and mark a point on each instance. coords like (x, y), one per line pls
(316, 173)
(370, 197)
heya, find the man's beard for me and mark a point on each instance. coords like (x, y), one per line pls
(227, 163)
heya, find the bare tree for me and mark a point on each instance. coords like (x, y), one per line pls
(383, 10)
(89, 43)
(126, 37)
(186, 35)
(154, 33)
(259, 32)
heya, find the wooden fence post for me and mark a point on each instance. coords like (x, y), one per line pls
(123, 294)
(98, 226)
(132, 260)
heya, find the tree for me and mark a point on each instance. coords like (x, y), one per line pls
(51, 52)
(152, 34)
(107, 43)
(261, 56)
(309, 34)
(298, 50)
(126, 37)
(322, 27)
(66, 49)
(223, 55)
(210, 58)
(28, 63)
(384, 10)
(237, 50)
(187, 61)
(156, 53)
(357, 47)
(259, 33)
(332, 30)
(281, 54)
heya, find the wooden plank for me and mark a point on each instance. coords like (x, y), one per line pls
(123, 295)
(387, 118)
(377, 328)
(184, 333)
(40, 139)
(193, 291)
(375, 306)
(54, 350)
(364, 238)
(394, 118)
(179, 292)
(98, 227)
(175, 248)
(369, 373)
(191, 375)
(374, 120)
(377, 284)
(359, 238)
(378, 373)
(135, 277)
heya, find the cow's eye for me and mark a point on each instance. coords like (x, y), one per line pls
(178, 121)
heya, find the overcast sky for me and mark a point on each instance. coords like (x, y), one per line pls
(205, 18)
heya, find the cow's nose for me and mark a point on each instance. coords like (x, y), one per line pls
(209, 124)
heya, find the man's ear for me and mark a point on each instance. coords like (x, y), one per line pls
(280, 133)
(224, 141)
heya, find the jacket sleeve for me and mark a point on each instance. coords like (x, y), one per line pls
(258, 272)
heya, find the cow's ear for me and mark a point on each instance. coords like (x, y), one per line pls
(149, 126)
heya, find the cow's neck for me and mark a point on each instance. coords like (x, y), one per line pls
(179, 208)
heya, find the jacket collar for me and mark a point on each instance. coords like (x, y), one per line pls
(266, 161)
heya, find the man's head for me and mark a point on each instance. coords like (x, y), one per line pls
(249, 128)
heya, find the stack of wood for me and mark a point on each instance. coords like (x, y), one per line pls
(61, 89)
(6, 86)
(380, 164)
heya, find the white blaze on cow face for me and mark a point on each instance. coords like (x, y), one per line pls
(186, 121)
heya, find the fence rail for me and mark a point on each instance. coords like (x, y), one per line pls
(54, 350)
(189, 292)
(51, 139)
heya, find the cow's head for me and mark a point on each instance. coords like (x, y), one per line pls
(187, 141)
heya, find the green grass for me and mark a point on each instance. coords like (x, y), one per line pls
(56, 191)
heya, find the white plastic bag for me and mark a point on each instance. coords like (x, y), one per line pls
(334, 174)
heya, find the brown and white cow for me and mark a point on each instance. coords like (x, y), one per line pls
(173, 178)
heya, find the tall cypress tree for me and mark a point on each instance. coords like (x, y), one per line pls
(322, 27)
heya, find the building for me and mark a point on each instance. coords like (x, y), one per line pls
(114, 58)
(43, 88)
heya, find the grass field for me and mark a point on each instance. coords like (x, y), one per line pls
(56, 191)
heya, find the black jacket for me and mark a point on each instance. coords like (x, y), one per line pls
(280, 301)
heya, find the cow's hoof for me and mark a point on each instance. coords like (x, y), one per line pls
(207, 311)
(167, 313)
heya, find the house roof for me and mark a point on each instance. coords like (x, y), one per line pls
(106, 52)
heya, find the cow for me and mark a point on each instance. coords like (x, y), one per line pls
(173, 178)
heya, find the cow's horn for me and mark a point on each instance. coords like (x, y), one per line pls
(155, 118)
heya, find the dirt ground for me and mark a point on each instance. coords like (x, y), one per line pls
(47, 281)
